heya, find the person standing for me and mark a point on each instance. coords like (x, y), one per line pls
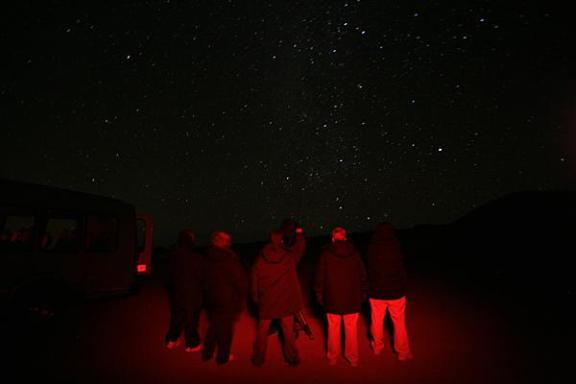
(387, 290)
(185, 289)
(341, 287)
(225, 296)
(276, 291)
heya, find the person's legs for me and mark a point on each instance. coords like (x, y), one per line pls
(191, 329)
(397, 313)
(334, 331)
(290, 351)
(177, 317)
(351, 338)
(377, 314)
(261, 343)
(210, 339)
(224, 336)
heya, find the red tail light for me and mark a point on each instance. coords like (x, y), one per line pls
(141, 268)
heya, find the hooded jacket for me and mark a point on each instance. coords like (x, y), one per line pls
(386, 273)
(274, 279)
(225, 281)
(340, 284)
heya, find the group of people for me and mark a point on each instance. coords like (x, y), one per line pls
(343, 281)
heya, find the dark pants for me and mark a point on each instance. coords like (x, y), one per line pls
(187, 319)
(219, 336)
(289, 346)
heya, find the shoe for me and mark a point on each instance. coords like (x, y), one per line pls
(332, 362)
(405, 357)
(172, 344)
(230, 358)
(194, 349)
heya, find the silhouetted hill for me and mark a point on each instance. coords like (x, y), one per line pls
(527, 238)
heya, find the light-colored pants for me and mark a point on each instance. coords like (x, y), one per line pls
(350, 336)
(397, 313)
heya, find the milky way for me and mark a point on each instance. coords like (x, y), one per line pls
(236, 114)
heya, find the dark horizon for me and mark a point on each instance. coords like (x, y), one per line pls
(237, 115)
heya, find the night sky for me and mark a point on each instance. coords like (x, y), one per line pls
(235, 114)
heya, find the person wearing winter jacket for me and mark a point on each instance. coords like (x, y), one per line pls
(275, 289)
(387, 289)
(225, 296)
(341, 287)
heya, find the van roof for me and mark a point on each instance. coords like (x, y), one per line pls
(21, 194)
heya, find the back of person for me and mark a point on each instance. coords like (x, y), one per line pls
(185, 288)
(186, 275)
(341, 288)
(341, 278)
(386, 273)
(225, 281)
(275, 283)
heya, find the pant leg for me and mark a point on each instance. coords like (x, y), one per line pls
(377, 314)
(210, 339)
(261, 342)
(397, 310)
(289, 347)
(177, 318)
(351, 337)
(191, 327)
(224, 336)
(334, 331)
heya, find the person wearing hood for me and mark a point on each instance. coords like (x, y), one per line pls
(225, 296)
(185, 289)
(341, 287)
(275, 289)
(387, 289)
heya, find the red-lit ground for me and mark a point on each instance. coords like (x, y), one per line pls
(457, 336)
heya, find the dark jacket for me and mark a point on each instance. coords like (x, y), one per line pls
(275, 284)
(185, 277)
(341, 283)
(225, 281)
(386, 273)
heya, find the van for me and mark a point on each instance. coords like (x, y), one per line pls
(56, 244)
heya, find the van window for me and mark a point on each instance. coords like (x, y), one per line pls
(101, 233)
(62, 235)
(16, 232)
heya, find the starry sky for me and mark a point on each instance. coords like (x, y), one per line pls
(236, 114)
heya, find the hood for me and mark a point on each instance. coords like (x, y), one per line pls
(383, 233)
(273, 253)
(341, 249)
